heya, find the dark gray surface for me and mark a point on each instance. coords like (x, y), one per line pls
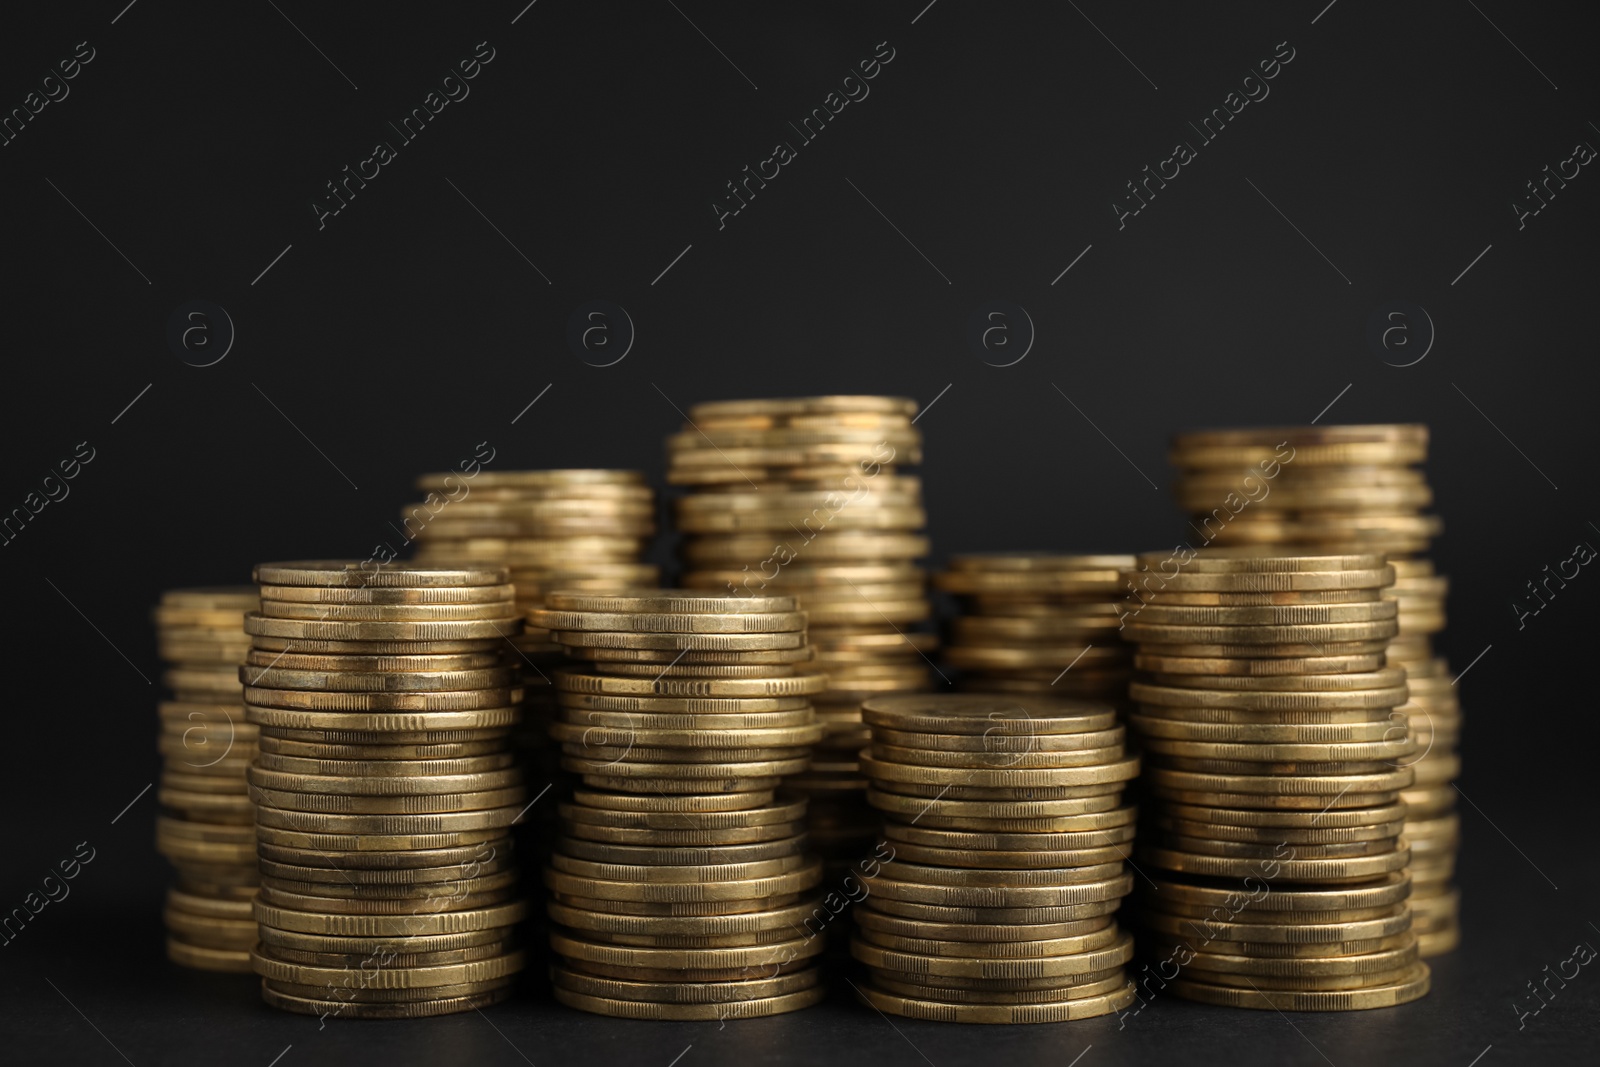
(1381, 167)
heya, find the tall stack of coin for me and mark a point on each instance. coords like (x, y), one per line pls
(1002, 865)
(384, 787)
(1036, 623)
(804, 497)
(682, 887)
(204, 828)
(1353, 489)
(1275, 755)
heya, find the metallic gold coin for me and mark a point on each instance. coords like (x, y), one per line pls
(709, 706)
(581, 641)
(1014, 860)
(398, 768)
(1285, 933)
(236, 961)
(707, 993)
(768, 815)
(693, 803)
(386, 613)
(1003, 950)
(1118, 771)
(916, 807)
(1002, 742)
(668, 601)
(899, 870)
(578, 949)
(1246, 637)
(390, 977)
(397, 824)
(379, 723)
(751, 1008)
(379, 595)
(624, 769)
(1297, 785)
(278, 677)
(398, 861)
(310, 629)
(1185, 580)
(953, 713)
(603, 657)
(747, 622)
(569, 848)
(392, 804)
(875, 956)
(785, 918)
(965, 1012)
(422, 923)
(870, 919)
(1152, 728)
(665, 872)
(756, 887)
(317, 700)
(1415, 984)
(623, 721)
(1275, 802)
(357, 878)
(1246, 667)
(1307, 835)
(702, 739)
(902, 984)
(1244, 561)
(1313, 754)
(703, 670)
(351, 574)
(788, 685)
(1343, 869)
(999, 758)
(981, 843)
(838, 546)
(446, 662)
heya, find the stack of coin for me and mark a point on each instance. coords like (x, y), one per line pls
(1275, 754)
(1003, 860)
(1036, 624)
(804, 497)
(681, 886)
(384, 787)
(204, 828)
(1353, 489)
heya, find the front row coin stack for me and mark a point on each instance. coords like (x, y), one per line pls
(384, 788)
(1003, 861)
(205, 829)
(682, 887)
(1275, 755)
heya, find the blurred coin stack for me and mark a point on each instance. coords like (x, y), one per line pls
(682, 887)
(205, 826)
(384, 787)
(1275, 754)
(1039, 624)
(1003, 859)
(803, 497)
(1354, 489)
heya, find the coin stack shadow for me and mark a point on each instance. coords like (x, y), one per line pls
(1005, 837)
(384, 788)
(682, 887)
(1356, 489)
(206, 826)
(578, 529)
(1274, 753)
(1039, 624)
(803, 497)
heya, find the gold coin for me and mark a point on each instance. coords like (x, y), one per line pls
(756, 887)
(1119, 952)
(1081, 986)
(732, 800)
(1311, 835)
(999, 919)
(400, 824)
(390, 977)
(228, 960)
(706, 993)
(1342, 869)
(1246, 637)
(669, 601)
(1245, 667)
(351, 574)
(1296, 785)
(747, 622)
(377, 846)
(783, 918)
(309, 629)
(877, 922)
(583, 641)
(315, 594)
(694, 739)
(1267, 700)
(982, 842)
(751, 1008)
(423, 923)
(386, 613)
(1003, 950)
(380, 722)
(397, 768)
(242, 597)
(663, 871)
(766, 955)
(1185, 580)
(385, 785)
(280, 677)
(1119, 771)
(1152, 727)
(999, 742)
(838, 546)
(952, 713)
(601, 720)
(790, 685)
(569, 848)
(690, 659)
(414, 1010)
(1157, 612)
(447, 662)
(765, 815)
(999, 757)
(1298, 933)
(1415, 984)
(993, 809)
(1238, 561)
(960, 1011)
(1281, 752)
(628, 770)
(373, 863)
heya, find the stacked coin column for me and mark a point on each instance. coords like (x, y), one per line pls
(1039, 624)
(384, 788)
(205, 827)
(1354, 489)
(682, 887)
(1274, 761)
(803, 497)
(993, 896)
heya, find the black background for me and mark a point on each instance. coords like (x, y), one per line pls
(407, 330)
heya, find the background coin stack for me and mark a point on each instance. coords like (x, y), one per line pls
(682, 887)
(384, 787)
(205, 826)
(1027, 618)
(1003, 859)
(803, 497)
(1275, 756)
(1354, 489)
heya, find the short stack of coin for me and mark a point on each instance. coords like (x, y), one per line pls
(1275, 754)
(1002, 862)
(1353, 489)
(384, 788)
(1038, 624)
(205, 828)
(682, 887)
(803, 497)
